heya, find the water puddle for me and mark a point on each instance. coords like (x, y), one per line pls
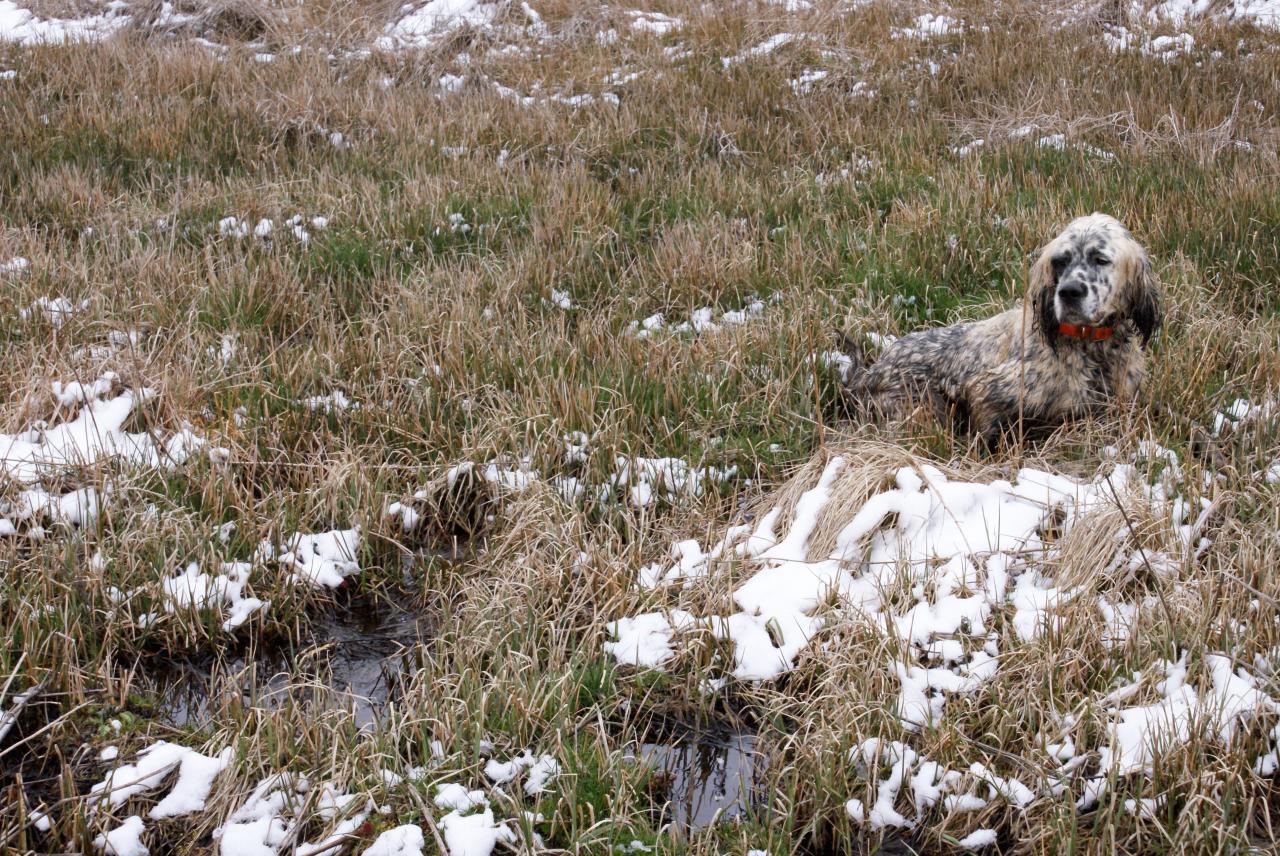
(353, 659)
(717, 774)
(711, 777)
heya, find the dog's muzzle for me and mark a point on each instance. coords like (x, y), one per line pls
(1070, 301)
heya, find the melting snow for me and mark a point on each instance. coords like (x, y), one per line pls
(56, 310)
(1140, 733)
(474, 834)
(189, 791)
(701, 321)
(654, 22)
(124, 840)
(26, 28)
(428, 24)
(404, 840)
(646, 640)
(334, 402)
(195, 589)
(1262, 13)
(95, 435)
(765, 48)
(928, 26)
(966, 550)
(324, 559)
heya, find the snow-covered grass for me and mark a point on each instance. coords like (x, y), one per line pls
(518, 317)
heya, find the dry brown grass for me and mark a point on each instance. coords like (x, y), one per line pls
(699, 189)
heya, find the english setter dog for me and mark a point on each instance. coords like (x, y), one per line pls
(1076, 347)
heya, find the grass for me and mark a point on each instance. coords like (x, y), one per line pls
(704, 186)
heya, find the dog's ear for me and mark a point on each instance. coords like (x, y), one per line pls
(1144, 297)
(1041, 290)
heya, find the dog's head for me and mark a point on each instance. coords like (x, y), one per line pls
(1094, 274)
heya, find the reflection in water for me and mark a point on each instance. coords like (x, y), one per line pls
(352, 660)
(710, 778)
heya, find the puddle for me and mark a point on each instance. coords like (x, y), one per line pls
(717, 776)
(352, 659)
(711, 778)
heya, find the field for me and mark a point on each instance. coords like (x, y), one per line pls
(376, 384)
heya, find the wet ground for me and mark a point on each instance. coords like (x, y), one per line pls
(353, 659)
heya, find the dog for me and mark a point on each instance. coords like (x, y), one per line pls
(1076, 346)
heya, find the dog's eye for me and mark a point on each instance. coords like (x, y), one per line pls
(1059, 262)
(1101, 261)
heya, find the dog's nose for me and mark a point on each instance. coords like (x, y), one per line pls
(1071, 291)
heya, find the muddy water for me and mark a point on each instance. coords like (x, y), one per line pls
(353, 659)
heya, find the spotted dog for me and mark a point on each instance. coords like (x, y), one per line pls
(1074, 347)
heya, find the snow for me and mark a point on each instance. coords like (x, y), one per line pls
(238, 228)
(928, 783)
(1056, 142)
(765, 48)
(455, 797)
(194, 589)
(259, 826)
(124, 840)
(978, 839)
(95, 434)
(1261, 13)
(560, 300)
(539, 771)
(670, 479)
(1059, 143)
(334, 402)
(333, 804)
(428, 24)
(700, 321)
(929, 26)
(24, 27)
(475, 834)
(967, 551)
(404, 840)
(233, 227)
(324, 559)
(543, 770)
(1140, 734)
(646, 640)
(1242, 412)
(74, 393)
(273, 813)
(639, 481)
(807, 80)
(56, 310)
(937, 528)
(654, 22)
(40, 820)
(154, 764)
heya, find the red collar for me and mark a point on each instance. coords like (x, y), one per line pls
(1093, 334)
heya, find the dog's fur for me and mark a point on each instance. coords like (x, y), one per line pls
(1016, 372)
